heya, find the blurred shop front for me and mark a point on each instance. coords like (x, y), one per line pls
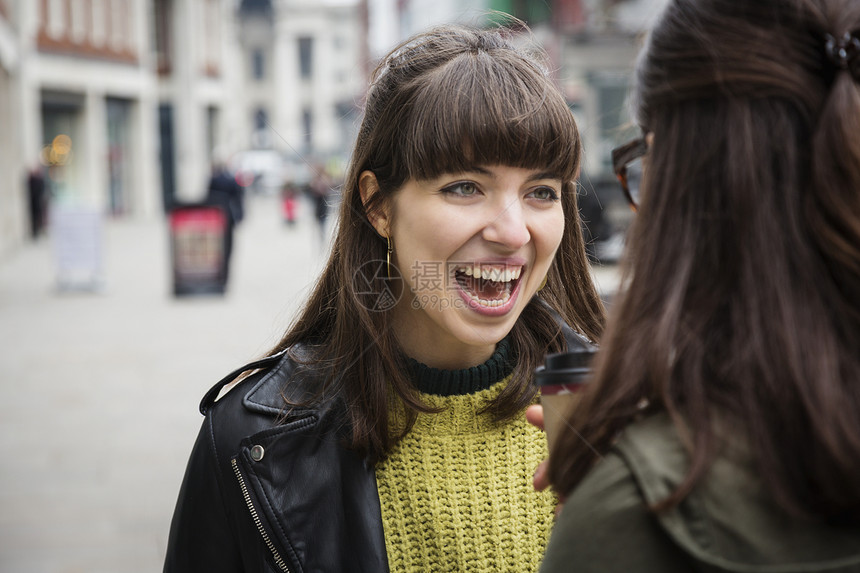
(119, 154)
(63, 150)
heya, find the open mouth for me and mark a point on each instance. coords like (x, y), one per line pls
(488, 285)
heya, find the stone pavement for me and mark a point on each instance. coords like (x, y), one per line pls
(99, 391)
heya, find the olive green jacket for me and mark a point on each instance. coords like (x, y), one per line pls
(728, 523)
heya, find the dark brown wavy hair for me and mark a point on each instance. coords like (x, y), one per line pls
(742, 296)
(442, 102)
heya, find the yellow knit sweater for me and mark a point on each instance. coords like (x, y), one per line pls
(456, 492)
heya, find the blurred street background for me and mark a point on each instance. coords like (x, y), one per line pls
(100, 389)
(115, 115)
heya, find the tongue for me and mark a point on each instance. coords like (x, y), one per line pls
(486, 289)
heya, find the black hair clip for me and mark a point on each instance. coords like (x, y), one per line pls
(843, 52)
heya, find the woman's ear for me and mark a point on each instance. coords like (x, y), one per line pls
(378, 216)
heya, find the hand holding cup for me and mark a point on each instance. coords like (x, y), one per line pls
(560, 381)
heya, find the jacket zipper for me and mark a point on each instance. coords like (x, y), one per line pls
(278, 560)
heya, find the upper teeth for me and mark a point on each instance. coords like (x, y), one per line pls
(498, 274)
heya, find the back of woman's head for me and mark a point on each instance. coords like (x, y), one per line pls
(757, 133)
(743, 278)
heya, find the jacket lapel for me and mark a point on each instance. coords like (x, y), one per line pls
(315, 500)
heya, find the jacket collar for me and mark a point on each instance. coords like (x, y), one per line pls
(267, 394)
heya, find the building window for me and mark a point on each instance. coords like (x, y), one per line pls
(261, 119)
(306, 45)
(212, 38)
(258, 64)
(119, 155)
(614, 122)
(261, 137)
(162, 35)
(78, 30)
(307, 128)
(212, 115)
(167, 155)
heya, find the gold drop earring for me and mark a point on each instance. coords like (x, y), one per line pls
(388, 257)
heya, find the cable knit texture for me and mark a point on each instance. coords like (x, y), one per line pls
(456, 493)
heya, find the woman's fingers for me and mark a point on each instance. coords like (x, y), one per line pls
(540, 480)
(534, 415)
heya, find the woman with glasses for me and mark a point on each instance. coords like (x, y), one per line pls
(386, 430)
(721, 431)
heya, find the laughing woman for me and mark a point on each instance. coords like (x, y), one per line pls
(386, 430)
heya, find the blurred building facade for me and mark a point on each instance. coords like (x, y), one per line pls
(76, 100)
(13, 208)
(194, 58)
(303, 66)
(124, 105)
(592, 46)
(119, 104)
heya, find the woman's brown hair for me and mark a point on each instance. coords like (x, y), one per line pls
(742, 277)
(442, 102)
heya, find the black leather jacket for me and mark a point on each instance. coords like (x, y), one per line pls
(241, 508)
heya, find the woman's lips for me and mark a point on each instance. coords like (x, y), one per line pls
(489, 289)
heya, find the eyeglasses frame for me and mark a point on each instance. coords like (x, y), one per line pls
(621, 157)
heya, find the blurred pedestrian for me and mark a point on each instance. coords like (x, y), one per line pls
(289, 203)
(386, 430)
(37, 201)
(225, 192)
(321, 190)
(721, 429)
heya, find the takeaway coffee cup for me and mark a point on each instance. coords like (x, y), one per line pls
(560, 381)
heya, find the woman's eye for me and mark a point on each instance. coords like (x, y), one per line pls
(545, 194)
(463, 189)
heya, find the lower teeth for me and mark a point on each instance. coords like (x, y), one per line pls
(487, 303)
(491, 303)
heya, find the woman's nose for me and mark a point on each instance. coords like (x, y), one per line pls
(508, 227)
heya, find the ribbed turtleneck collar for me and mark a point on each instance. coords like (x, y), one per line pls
(466, 381)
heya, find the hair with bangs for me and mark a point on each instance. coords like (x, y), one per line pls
(442, 102)
(478, 109)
